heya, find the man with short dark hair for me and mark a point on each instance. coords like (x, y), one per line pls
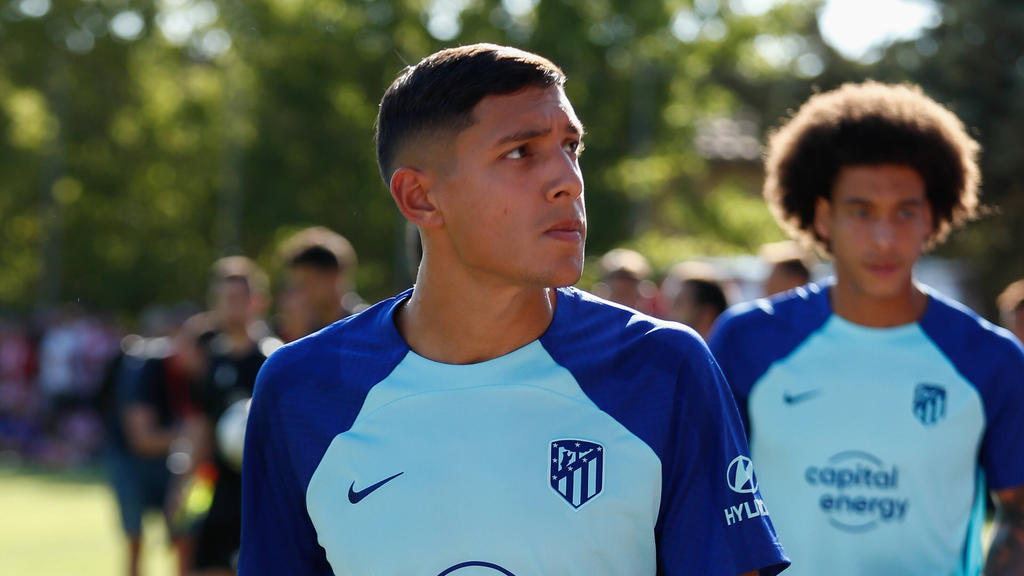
(488, 421)
(236, 351)
(693, 296)
(626, 280)
(320, 266)
(788, 267)
(879, 411)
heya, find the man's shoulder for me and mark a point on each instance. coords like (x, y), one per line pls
(801, 310)
(612, 329)
(350, 346)
(957, 328)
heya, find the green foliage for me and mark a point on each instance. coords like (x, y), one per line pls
(140, 141)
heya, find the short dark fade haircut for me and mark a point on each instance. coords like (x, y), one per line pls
(320, 248)
(440, 92)
(794, 267)
(707, 293)
(870, 124)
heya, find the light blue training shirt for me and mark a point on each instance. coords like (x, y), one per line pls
(875, 445)
(609, 446)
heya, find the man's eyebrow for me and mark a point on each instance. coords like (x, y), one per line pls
(523, 135)
(531, 133)
(913, 202)
(865, 202)
(856, 200)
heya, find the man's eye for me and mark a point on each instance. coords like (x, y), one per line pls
(573, 146)
(517, 154)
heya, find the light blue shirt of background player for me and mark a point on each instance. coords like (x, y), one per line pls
(879, 412)
(486, 423)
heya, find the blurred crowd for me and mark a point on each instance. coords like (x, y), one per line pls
(164, 407)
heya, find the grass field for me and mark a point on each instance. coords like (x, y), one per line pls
(66, 524)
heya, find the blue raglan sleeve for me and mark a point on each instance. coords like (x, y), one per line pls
(713, 520)
(723, 344)
(1004, 430)
(277, 534)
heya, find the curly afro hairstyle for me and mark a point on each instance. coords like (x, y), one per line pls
(870, 124)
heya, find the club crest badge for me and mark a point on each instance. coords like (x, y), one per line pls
(577, 470)
(929, 403)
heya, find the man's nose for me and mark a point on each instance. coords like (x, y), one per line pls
(884, 232)
(566, 178)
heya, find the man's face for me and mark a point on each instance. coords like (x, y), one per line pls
(624, 289)
(232, 303)
(684, 307)
(877, 223)
(511, 198)
(1017, 322)
(780, 280)
(318, 287)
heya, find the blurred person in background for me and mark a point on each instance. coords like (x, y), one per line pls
(320, 271)
(879, 411)
(292, 317)
(693, 296)
(626, 280)
(74, 351)
(1011, 308)
(152, 408)
(789, 267)
(237, 350)
(17, 398)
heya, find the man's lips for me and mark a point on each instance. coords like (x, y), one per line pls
(567, 230)
(883, 267)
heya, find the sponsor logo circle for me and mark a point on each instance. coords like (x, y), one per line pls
(857, 492)
(740, 475)
(475, 568)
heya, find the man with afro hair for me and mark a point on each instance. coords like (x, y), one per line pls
(879, 411)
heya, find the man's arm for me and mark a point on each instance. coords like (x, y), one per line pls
(1006, 555)
(145, 436)
(277, 534)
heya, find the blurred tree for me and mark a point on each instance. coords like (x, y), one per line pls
(141, 140)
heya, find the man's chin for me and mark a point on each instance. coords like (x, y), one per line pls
(571, 276)
(561, 279)
(888, 288)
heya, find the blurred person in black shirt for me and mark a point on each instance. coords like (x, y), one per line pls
(237, 350)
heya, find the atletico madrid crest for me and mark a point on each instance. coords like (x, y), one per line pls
(929, 403)
(577, 470)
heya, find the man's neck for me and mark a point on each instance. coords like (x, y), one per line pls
(464, 323)
(867, 310)
(238, 340)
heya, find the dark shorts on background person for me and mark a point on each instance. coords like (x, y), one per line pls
(139, 485)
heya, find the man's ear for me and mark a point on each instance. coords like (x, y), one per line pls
(411, 189)
(823, 218)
